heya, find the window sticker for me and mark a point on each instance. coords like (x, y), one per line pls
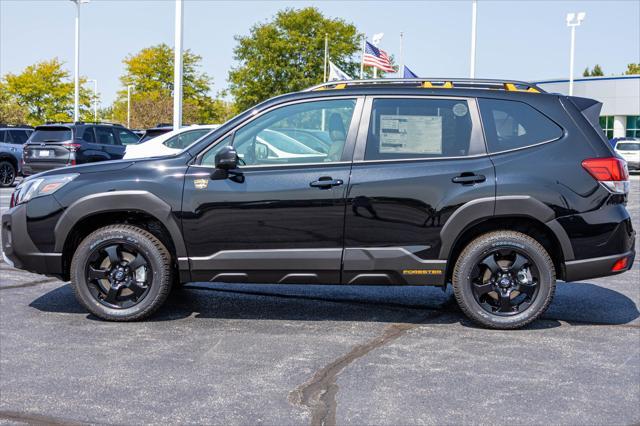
(460, 109)
(410, 134)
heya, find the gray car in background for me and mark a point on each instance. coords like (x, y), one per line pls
(11, 140)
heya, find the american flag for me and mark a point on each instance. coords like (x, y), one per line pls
(377, 58)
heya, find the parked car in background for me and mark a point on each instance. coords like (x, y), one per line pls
(629, 149)
(169, 143)
(66, 144)
(154, 132)
(11, 140)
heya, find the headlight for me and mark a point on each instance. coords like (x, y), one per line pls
(37, 187)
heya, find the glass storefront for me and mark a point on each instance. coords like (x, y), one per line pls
(633, 126)
(606, 122)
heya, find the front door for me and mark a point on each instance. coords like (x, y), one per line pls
(279, 217)
(420, 160)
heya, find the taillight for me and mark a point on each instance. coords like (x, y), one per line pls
(620, 265)
(73, 147)
(12, 203)
(611, 172)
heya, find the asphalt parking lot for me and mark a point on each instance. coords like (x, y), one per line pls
(284, 355)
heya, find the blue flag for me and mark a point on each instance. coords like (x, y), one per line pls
(408, 73)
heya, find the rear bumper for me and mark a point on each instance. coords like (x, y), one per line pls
(577, 270)
(32, 168)
(19, 251)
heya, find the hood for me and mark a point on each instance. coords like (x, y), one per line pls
(103, 166)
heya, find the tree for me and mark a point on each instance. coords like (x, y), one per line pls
(150, 72)
(287, 54)
(597, 71)
(46, 91)
(632, 69)
(11, 112)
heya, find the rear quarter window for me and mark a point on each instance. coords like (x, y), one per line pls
(513, 124)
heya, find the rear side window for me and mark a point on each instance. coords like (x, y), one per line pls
(418, 128)
(18, 136)
(512, 124)
(53, 134)
(127, 137)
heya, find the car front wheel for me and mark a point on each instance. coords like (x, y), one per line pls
(121, 273)
(504, 280)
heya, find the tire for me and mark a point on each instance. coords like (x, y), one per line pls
(7, 174)
(133, 295)
(524, 273)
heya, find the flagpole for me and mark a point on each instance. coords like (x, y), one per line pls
(326, 53)
(362, 58)
(401, 68)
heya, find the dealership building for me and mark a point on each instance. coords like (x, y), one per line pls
(620, 97)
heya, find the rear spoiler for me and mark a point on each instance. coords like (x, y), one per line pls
(590, 109)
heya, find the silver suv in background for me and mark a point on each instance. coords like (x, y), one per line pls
(629, 149)
(11, 140)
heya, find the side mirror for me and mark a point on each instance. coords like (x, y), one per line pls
(227, 158)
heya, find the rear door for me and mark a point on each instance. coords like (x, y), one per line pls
(110, 143)
(417, 161)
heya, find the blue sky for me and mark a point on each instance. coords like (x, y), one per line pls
(525, 40)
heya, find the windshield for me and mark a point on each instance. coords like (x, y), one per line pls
(58, 134)
(185, 139)
(152, 133)
(628, 146)
(285, 143)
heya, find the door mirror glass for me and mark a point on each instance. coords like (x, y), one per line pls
(227, 158)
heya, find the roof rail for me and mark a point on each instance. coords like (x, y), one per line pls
(434, 83)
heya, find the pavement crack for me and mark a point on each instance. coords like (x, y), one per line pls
(318, 395)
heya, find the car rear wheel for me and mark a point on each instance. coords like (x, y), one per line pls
(504, 280)
(7, 174)
(121, 273)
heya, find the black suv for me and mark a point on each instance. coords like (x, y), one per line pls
(58, 145)
(495, 187)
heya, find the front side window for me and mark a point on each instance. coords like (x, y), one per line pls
(418, 128)
(274, 138)
(513, 124)
(127, 138)
(184, 139)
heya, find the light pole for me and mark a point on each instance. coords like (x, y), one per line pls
(95, 99)
(76, 68)
(129, 87)
(177, 70)
(472, 59)
(573, 20)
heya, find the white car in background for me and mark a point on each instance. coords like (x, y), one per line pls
(169, 143)
(629, 149)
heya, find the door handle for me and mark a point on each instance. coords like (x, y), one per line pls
(326, 182)
(468, 178)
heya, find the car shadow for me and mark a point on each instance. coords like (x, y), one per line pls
(574, 303)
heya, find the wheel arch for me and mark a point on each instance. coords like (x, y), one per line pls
(140, 208)
(515, 213)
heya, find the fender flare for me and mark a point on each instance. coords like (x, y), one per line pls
(489, 208)
(114, 201)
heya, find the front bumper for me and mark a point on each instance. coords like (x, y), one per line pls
(19, 250)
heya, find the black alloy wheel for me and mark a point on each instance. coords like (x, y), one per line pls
(505, 282)
(119, 276)
(7, 174)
